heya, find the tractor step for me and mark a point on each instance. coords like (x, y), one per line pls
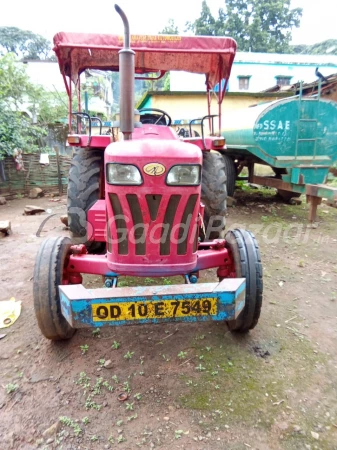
(221, 301)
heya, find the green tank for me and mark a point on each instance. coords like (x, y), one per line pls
(297, 136)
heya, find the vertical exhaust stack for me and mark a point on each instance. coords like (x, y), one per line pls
(126, 81)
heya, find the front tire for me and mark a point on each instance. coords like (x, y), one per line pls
(245, 252)
(49, 273)
(214, 194)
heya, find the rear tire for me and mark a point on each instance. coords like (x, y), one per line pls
(230, 170)
(50, 263)
(286, 196)
(214, 194)
(247, 260)
(83, 192)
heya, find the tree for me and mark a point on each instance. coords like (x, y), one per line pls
(171, 28)
(47, 106)
(20, 102)
(14, 82)
(24, 44)
(206, 25)
(256, 25)
(328, 47)
(17, 131)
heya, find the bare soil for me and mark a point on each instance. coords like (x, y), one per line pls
(189, 386)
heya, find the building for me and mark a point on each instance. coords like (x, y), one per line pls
(328, 88)
(183, 106)
(253, 72)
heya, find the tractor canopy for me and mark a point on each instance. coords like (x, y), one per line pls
(212, 56)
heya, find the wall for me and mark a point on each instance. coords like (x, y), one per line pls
(264, 76)
(192, 105)
(47, 74)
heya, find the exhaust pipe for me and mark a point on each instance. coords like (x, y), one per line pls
(126, 81)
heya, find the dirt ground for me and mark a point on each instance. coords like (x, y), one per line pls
(190, 386)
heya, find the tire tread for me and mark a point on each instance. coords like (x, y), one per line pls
(248, 266)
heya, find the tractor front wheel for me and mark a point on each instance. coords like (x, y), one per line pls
(245, 253)
(214, 195)
(49, 273)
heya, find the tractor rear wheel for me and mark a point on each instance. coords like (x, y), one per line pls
(49, 273)
(83, 192)
(214, 194)
(245, 252)
(230, 170)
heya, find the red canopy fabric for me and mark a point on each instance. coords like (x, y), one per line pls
(212, 56)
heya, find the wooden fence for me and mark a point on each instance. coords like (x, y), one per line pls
(50, 178)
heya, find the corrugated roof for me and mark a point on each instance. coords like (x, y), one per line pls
(306, 87)
(276, 58)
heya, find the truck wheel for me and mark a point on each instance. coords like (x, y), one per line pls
(286, 196)
(230, 170)
(49, 273)
(83, 192)
(214, 194)
(247, 261)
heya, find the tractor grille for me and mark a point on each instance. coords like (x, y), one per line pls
(130, 214)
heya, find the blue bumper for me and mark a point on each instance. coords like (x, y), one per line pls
(221, 301)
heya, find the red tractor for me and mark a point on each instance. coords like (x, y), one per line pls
(145, 202)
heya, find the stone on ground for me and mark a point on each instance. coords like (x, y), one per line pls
(32, 209)
(36, 193)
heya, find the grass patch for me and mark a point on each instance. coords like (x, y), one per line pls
(237, 386)
(245, 187)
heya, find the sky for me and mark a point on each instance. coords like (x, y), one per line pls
(147, 16)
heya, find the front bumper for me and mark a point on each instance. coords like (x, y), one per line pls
(221, 301)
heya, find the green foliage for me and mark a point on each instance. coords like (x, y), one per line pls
(24, 44)
(115, 345)
(14, 82)
(49, 107)
(17, 131)
(67, 421)
(10, 387)
(256, 25)
(84, 348)
(170, 28)
(129, 355)
(20, 102)
(182, 355)
(206, 25)
(328, 47)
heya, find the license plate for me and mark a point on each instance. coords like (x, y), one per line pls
(164, 309)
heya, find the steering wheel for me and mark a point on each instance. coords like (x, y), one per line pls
(163, 115)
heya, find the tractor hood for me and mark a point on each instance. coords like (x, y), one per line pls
(168, 152)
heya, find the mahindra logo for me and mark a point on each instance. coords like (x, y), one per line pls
(154, 169)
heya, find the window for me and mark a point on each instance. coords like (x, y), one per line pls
(243, 83)
(282, 80)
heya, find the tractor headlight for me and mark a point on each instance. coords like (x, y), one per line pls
(184, 175)
(126, 174)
